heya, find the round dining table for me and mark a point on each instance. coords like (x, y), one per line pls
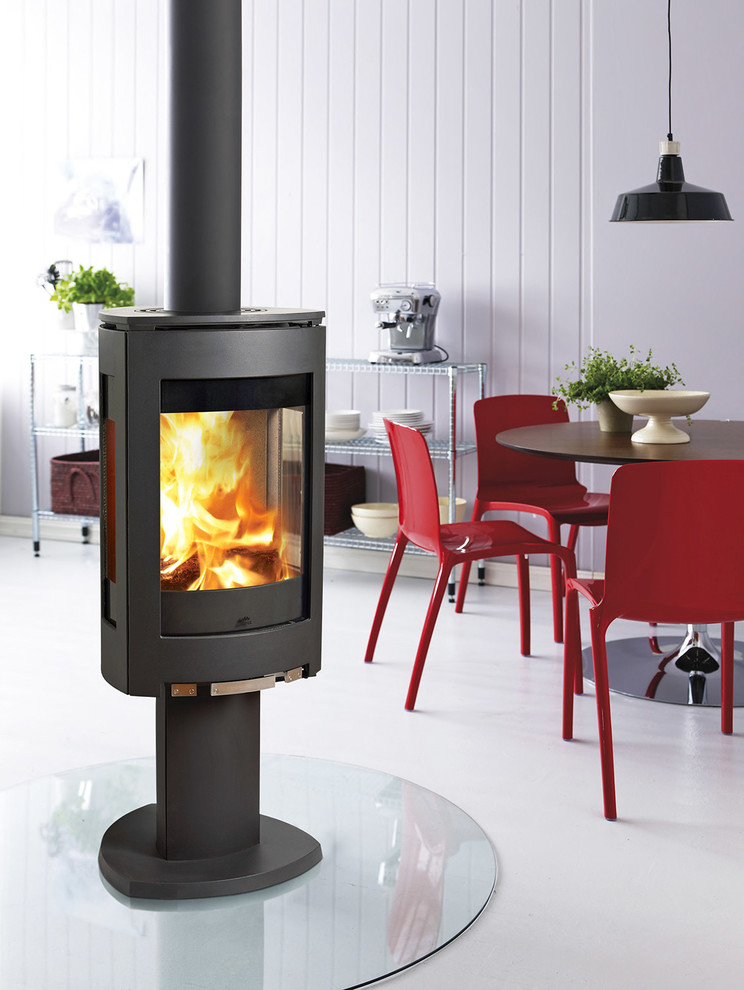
(679, 669)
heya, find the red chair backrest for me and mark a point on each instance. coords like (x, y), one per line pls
(675, 542)
(498, 465)
(418, 503)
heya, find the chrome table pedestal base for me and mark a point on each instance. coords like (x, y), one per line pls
(665, 668)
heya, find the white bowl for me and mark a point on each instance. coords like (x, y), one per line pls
(342, 419)
(659, 405)
(376, 519)
(444, 502)
(342, 436)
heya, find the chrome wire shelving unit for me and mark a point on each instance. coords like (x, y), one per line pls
(87, 435)
(449, 449)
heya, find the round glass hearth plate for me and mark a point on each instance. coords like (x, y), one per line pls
(404, 871)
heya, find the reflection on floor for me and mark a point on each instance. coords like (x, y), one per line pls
(653, 900)
(404, 871)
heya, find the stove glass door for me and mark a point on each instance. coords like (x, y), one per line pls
(232, 483)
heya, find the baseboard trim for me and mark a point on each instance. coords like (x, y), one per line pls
(65, 530)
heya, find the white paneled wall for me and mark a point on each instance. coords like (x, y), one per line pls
(478, 144)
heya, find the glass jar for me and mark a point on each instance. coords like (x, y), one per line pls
(65, 405)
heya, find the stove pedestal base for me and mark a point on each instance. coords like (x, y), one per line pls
(205, 836)
(129, 860)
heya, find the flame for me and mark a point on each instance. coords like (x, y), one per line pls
(215, 529)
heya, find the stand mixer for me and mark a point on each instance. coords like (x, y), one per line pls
(407, 311)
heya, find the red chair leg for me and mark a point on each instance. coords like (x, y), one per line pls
(578, 659)
(727, 677)
(478, 512)
(523, 584)
(556, 581)
(387, 587)
(571, 657)
(432, 612)
(573, 535)
(463, 586)
(599, 653)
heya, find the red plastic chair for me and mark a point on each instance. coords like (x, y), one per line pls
(672, 556)
(453, 544)
(509, 480)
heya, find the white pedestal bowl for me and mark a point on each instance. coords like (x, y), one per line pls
(659, 405)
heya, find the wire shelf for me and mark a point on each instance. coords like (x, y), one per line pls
(354, 538)
(401, 368)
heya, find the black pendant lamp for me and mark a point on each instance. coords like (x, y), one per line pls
(670, 198)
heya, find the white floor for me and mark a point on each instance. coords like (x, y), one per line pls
(654, 900)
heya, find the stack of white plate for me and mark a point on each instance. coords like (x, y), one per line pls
(342, 425)
(406, 417)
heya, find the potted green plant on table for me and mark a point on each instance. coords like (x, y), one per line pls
(601, 373)
(88, 290)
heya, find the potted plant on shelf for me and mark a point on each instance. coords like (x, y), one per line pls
(88, 290)
(601, 373)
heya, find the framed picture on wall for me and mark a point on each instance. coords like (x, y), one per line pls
(100, 200)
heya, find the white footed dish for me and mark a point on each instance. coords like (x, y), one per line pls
(659, 405)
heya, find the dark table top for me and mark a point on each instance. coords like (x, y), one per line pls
(709, 440)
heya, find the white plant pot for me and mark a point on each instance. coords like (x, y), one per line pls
(86, 323)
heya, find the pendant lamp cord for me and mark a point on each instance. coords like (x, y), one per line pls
(669, 35)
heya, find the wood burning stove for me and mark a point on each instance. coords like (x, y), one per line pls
(211, 539)
(212, 457)
(212, 420)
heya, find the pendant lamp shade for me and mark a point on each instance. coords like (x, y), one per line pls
(670, 198)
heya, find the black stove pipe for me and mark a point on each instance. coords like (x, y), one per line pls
(205, 74)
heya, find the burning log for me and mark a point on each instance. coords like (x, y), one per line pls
(251, 565)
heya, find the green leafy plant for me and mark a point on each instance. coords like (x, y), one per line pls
(601, 373)
(89, 286)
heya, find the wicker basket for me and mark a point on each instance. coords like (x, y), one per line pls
(76, 483)
(344, 487)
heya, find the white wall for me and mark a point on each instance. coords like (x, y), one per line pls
(477, 144)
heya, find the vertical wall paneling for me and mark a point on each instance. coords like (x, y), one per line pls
(477, 209)
(566, 194)
(364, 390)
(394, 164)
(477, 165)
(504, 347)
(586, 164)
(264, 194)
(289, 154)
(536, 193)
(124, 36)
(450, 182)
(590, 550)
(125, 111)
(80, 121)
(249, 84)
(421, 138)
(148, 274)
(394, 144)
(315, 82)
(58, 112)
(41, 97)
(422, 167)
(340, 220)
(101, 79)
